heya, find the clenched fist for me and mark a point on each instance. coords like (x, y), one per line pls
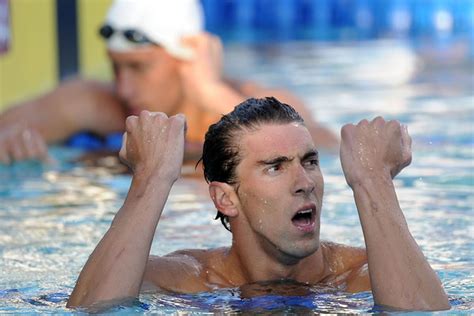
(153, 144)
(374, 149)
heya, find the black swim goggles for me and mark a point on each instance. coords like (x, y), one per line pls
(134, 36)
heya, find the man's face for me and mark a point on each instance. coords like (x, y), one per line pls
(147, 79)
(281, 189)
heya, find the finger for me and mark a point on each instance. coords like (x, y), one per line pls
(394, 125)
(346, 129)
(131, 123)
(34, 145)
(406, 145)
(160, 115)
(190, 41)
(406, 136)
(17, 151)
(144, 115)
(215, 43)
(29, 144)
(4, 158)
(40, 147)
(363, 122)
(378, 121)
(180, 122)
(123, 149)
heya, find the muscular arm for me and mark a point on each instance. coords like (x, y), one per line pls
(202, 76)
(154, 150)
(75, 105)
(26, 128)
(371, 155)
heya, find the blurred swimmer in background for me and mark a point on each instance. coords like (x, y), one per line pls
(162, 61)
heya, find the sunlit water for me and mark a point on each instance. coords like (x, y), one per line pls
(51, 217)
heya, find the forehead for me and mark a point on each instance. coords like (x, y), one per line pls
(272, 140)
(140, 54)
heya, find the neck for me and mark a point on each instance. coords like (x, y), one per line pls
(258, 262)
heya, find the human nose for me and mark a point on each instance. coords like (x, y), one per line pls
(124, 85)
(303, 183)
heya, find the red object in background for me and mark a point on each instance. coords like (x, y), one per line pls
(5, 32)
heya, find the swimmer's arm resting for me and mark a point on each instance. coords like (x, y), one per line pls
(73, 106)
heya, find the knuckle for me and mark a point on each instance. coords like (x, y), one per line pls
(394, 123)
(346, 129)
(130, 122)
(144, 114)
(363, 122)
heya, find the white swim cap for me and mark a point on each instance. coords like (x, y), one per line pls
(163, 22)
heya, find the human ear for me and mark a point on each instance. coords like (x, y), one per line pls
(224, 198)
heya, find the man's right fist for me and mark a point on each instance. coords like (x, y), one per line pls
(153, 144)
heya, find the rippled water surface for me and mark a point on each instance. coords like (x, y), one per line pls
(51, 217)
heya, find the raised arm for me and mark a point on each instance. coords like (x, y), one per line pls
(75, 105)
(202, 78)
(153, 148)
(372, 154)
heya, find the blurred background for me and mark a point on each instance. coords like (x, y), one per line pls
(45, 41)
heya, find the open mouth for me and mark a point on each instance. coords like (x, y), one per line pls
(304, 219)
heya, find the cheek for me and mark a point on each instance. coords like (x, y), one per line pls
(161, 90)
(262, 207)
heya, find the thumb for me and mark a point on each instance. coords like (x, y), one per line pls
(123, 149)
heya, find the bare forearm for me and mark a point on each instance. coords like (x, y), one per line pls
(219, 97)
(400, 275)
(116, 267)
(74, 106)
(38, 115)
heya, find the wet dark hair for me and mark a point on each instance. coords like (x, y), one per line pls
(221, 153)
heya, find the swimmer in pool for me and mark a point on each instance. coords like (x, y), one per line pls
(262, 167)
(162, 61)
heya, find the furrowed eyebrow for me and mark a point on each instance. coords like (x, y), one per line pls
(276, 160)
(311, 154)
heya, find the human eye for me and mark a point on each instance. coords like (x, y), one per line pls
(311, 163)
(274, 169)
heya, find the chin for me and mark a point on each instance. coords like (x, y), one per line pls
(304, 249)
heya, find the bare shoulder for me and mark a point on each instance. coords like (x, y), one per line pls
(348, 265)
(347, 256)
(180, 271)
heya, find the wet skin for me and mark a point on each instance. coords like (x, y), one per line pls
(278, 176)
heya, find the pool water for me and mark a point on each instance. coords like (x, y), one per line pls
(51, 217)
